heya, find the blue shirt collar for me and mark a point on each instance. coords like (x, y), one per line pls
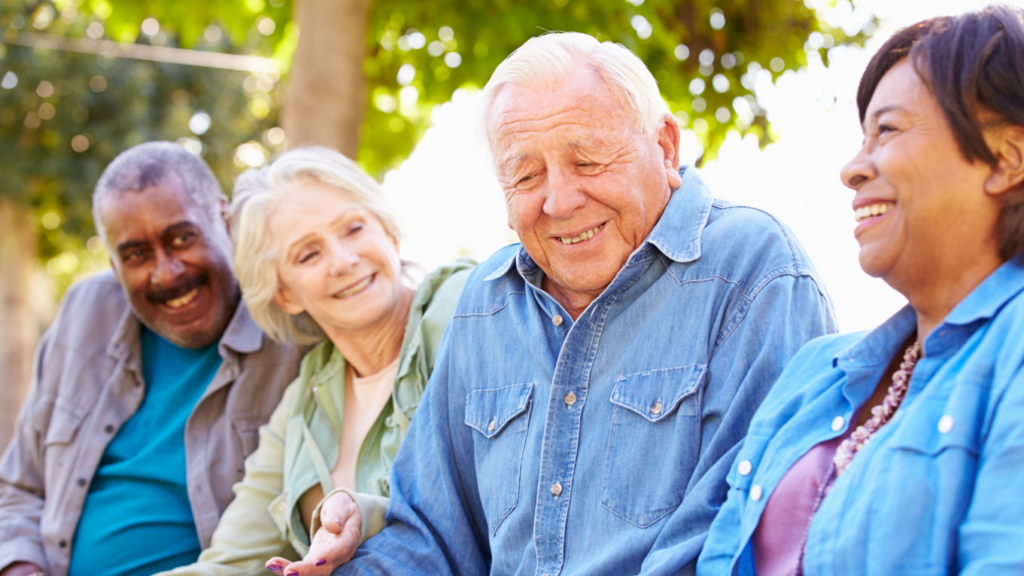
(676, 235)
(981, 304)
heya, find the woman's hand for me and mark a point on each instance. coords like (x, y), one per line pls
(341, 525)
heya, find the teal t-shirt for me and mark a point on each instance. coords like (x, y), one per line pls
(137, 519)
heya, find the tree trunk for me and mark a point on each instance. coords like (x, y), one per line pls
(326, 98)
(19, 329)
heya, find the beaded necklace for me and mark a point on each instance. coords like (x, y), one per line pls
(879, 414)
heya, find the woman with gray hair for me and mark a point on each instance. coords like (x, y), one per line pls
(316, 255)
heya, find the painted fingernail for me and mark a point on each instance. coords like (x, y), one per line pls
(293, 573)
(336, 520)
(274, 568)
(321, 562)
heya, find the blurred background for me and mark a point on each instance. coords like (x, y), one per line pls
(762, 88)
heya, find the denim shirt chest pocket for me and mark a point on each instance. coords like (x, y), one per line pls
(653, 443)
(501, 416)
(935, 450)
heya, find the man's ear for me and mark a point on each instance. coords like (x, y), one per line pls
(1007, 143)
(668, 142)
(225, 214)
(285, 301)
(116, 269)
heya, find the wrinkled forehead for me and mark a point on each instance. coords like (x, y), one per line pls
(153, 207)
(581, 103)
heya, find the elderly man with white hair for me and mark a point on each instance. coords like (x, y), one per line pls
(594, 382)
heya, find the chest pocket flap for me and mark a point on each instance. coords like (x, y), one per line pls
(489, 411)
(656, 394)
(64, 423)
(938, 422)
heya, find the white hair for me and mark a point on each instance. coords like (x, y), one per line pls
(257, 194)
(545, 60)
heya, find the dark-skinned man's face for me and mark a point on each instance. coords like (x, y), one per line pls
(173, 259)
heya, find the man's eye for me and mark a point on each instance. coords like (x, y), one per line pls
(884, 128)
(182, 239)
(524, 180)
(131, 256)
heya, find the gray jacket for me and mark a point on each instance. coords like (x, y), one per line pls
(87, 381)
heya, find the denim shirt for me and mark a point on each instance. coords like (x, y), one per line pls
(906, 504)
(598, 446)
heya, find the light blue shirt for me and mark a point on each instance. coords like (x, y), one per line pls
(600, 446)
(938, 490)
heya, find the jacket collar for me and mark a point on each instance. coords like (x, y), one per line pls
(242, 335)
(676, 235)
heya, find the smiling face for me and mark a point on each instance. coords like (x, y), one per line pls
(921, 208)
(582, 186)
(173, 260)
(335, 261)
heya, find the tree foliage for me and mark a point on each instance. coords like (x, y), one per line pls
(705, 55)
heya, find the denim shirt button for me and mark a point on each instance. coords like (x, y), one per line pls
(745, 468)
(945, 424)
(557, 320)
(656, 409)
(570, 399)
(556, 489)
(837, 423)
(490, 427)
(755, 492)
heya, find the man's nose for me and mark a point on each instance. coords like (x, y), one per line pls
(565, 194)
(167, 269)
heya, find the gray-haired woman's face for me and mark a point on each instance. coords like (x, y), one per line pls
(334, 260)
(920, 206)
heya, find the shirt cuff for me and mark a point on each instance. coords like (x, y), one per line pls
(373, 509)
(21, 550)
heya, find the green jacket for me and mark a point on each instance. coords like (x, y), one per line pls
(299, 446)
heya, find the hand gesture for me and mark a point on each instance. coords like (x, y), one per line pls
(334, 543)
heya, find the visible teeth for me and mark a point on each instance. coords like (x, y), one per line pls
(355, 289)
(865, 212)
(584, 236)
(183, 299)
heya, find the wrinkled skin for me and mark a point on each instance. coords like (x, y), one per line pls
(173, 260)
(571, 159)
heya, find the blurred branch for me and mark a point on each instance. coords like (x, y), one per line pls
(111, 49)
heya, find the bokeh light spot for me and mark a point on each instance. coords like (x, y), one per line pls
(80, 143)
(10, 81)
(199, 123)
(51, 220)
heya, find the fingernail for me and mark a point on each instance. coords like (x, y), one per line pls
(293, 573)
(274, 568)
(336, 520)
(321, 562)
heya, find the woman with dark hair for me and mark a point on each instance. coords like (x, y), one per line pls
(901, 451)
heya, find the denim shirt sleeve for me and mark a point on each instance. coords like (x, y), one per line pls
(426, 484)
(744, 366)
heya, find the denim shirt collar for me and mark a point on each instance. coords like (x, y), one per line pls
(676, 235)
(980, 305)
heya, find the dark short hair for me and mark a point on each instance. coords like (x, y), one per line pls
(145, 165)
(969, 62)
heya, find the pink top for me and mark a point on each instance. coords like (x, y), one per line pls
(779, 537)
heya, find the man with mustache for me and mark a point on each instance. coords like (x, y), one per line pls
(149, 387)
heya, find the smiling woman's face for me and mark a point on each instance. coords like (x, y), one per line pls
(920, 206)
(334, 260)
